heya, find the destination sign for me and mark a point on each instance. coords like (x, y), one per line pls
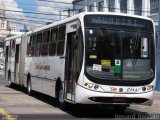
(90, 20)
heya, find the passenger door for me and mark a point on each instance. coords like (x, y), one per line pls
(71, 59)
(6, 62)
(16, 73)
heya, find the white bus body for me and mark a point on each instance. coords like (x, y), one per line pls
(56, 64)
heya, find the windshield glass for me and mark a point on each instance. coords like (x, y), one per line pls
(113, 54)
(103, 47)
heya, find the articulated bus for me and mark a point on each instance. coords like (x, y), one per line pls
(89, 58)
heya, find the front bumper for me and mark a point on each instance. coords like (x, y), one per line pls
(86, 96)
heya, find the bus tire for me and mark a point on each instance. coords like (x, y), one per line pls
(60, 97)
(9, 79)
(29, 87)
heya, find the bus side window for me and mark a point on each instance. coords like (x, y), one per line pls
(33, 42)
(53, 36)
(61, 39)
(39, 38)
(45, 37)
(38, 44)
(52, 49)
(29, 46)
(53, 40)
(32, 51)
(10, 49)
(13, 48)
(34, 39)
(45, 40)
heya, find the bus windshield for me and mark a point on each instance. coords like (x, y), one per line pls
(119, 54)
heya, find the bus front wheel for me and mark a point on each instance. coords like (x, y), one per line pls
(9, 80)
(60, 98)
(29, 86)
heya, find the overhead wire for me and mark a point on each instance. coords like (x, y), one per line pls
(31, 12)
(53, 1)
(34, 12)
(12, 18)
(33, 4)
(28, 23)
(30, 9)
(35, 18)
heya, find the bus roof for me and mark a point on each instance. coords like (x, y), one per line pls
(14, 37)
(80, 17)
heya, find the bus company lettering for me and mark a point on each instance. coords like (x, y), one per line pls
(133, 89)
(113, 89)
(42, 67)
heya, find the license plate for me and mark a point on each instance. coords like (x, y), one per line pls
(119, 100)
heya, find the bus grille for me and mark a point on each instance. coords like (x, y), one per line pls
(118, 100)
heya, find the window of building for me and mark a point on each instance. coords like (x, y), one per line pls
(100, 6)
(2, 24)
(123, 6)
(138, 7)
(111, 5)
(154, 6)
(91, 8)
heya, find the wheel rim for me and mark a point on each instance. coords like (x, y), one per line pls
(61, 99)
(29, 87)
(9, 81)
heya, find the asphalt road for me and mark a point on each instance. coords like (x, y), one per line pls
(17, 104)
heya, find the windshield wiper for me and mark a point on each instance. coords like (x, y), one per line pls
(111, 42)
(135, 47)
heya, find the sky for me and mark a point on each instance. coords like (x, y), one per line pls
(34, 12)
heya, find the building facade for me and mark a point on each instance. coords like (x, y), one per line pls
(3, 28)
(137, 7)
(148, 8)
(12, 28)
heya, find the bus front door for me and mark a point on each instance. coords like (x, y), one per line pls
(16, 71)
(70, 75)
(6, 62)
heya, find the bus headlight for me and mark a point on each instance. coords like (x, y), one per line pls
(144, 89)
(150, 87)
(96, 87)
(90, 85)
(93, 86)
